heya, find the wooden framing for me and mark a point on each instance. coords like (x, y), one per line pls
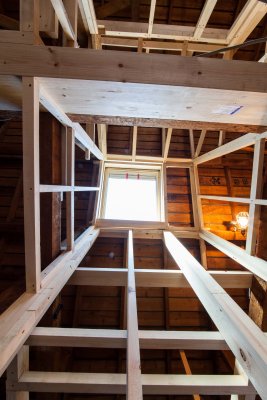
(204, 17)
(118, 66)
(31, 183)
(67, 382)
(236, 331)
(70, 195)
(134, 384)
(63, 19)
(154, 278)
(248, 344)
(108, 338)
(255, 193)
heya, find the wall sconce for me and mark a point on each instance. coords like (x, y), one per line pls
(241, 223)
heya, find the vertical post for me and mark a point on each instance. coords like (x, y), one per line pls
(70, 182)
(29, 18)
(90, 130)
(134, 384)
(197, 211)
(31, 181)
(19, 365)
(256, 191)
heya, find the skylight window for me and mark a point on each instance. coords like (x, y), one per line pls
(132, 195)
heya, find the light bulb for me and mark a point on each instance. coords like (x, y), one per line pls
(242, 220)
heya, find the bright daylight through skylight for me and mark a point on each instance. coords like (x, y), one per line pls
(132, 196)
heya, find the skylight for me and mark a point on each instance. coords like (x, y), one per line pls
(132, 195)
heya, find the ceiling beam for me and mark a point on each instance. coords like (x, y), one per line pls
(254, 264)
(161, 31)
(116, 338)
(88, 16)
(151, 17)
(247, 20)
(166, 123)
(118, 66)
(107, 383)
(155, 278)
(204, 18)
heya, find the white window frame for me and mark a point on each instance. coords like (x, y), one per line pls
(153, 170)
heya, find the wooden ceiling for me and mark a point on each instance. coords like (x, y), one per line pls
(95, 305)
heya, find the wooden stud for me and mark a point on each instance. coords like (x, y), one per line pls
(134, 384)
(63, 19)
(151, 17)
(256, 192)
(29, 18)
(31, 183)
(167, 143)
(70, 194)
(88, 16)
(134, 143)
(18, 366)
(200, 142)
(204, 17)
(187, 369)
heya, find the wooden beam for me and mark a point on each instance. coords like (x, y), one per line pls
(48, 102)
(18, 366)
(230, 147)
(29, 18)
(18, 321)
(70, 195)
(64, 188)
(63, 19)
(129, 224)
(153, 384)
(151, 17)
(187, 369)
(225, 198)
(161, 31)
(109, 338)
(245, 339)
(221, 138)
(134, 384)
(151, 44)
(204, 18)
(134, 143)
(191, 141)
(88, 16)
(48, 19)
(102, 138)
(247, 20)
(255, 193)
(167, 143)
(31, 179)
(118, 66)
(90, 130)
(254, 264)
(200, 142)
(155, 278)
(165, 123)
